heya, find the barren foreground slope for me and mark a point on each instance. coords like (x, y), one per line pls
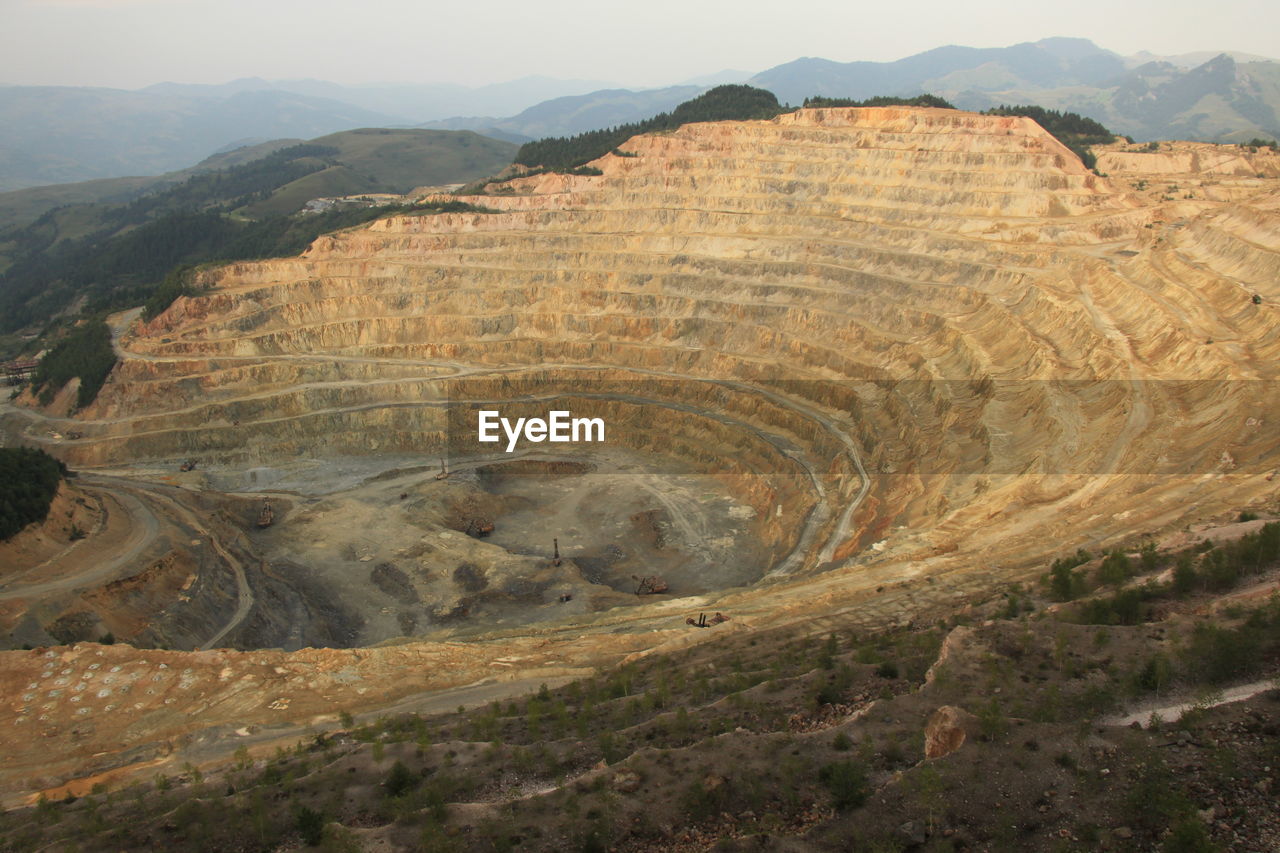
(921, 350)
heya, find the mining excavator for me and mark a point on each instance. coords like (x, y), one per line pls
(479, 527)
(650, 585)
(188, 465)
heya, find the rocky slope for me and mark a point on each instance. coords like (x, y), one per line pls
(927, 348)
(950, 300)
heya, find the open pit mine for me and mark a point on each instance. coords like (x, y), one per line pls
(861, 365)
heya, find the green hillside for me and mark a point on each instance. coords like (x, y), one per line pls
(399, 160)
(21, 207)
(114, 255)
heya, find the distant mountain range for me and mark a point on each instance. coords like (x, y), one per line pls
(1220, 99)
(371, 160)
(1209, 97)
(53, 135)
(947, 70)
(60, 134)
(576, 114)
(406, 103)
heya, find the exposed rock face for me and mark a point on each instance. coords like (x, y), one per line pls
(919, 343)
(946, 731)
(948, 300)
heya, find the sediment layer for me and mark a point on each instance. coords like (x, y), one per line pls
(938, 348)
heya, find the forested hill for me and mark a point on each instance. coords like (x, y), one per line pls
(1071, 129)
(28, 481)
(114, 256)
(742, 102)
(723, 103)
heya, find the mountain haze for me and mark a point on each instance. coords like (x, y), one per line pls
(408, 103)
(63, 134)
(577, 114)
(52, 134)
(944, 70)
(1223, 99)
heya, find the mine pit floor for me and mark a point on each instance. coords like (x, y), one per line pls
(388, 540)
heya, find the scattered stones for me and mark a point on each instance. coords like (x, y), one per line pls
(913, 833)
(626, 781)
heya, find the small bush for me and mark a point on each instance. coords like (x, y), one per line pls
(400, 780)
(1115, 569)
(847, 782)
(1189, 836)
(310, 825)
(992, 722)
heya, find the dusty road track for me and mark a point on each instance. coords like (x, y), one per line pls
(96, 562)
(1171, 711)
(244, 591)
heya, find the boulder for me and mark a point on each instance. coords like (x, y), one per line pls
(947, 729)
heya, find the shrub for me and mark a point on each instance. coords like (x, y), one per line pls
(310, 825)
(1115, 569)
(847, 782)
(1189, 836)
(1185, 578)
(1065, 584)
(888, 669)
(400, 780)
(1155, 673)
(1149, 556)
(1217, 654)
(992, 722)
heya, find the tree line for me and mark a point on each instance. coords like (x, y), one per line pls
(29, 479)
(1071, 129)
(86, 352)
(881, 101)
(735, 102)
(740, 102)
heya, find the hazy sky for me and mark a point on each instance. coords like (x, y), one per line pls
(132, 43)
